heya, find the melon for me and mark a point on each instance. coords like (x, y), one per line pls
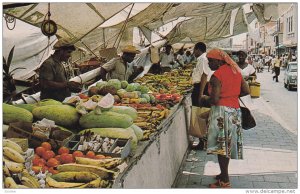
(15, 114)
(115, 83)
(106, 102)
(105, 119)
(125, 110)
(63, 115)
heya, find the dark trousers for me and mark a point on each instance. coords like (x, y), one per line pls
(277, 72)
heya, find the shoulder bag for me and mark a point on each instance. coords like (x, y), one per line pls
(248, 120)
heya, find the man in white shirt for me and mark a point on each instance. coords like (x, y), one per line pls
(167, 59)
(201, 75)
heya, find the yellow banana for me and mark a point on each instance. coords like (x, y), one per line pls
(14, 166)
(82, 177)
(162, 114)
(13, 145)
(6, 171)
(50, 182)
(13, 155)
(33, 179)
(28, 182)
(10, 183)
(93, 184)
(106, 163)
(102, 172)
(22, 187)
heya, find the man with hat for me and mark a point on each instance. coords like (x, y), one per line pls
(120, 68)
(53, 79)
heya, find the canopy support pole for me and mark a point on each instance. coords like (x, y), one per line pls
(123, 28)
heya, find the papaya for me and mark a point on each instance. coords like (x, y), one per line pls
(28, 107)
(125, 110)
(138, 132)
(63, 115)
(15, 114)
(46, 102)
(105, 119)
(116, 133)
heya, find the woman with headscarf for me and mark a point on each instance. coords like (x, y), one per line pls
(224, 129)
(247, 70)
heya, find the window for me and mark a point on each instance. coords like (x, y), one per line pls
(289, 24)
(251, 42)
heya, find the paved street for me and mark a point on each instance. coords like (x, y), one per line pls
(270, 148)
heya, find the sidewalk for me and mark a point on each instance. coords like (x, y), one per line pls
(270, 158)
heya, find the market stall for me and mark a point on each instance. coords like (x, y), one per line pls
(112, 134)
(158, 137)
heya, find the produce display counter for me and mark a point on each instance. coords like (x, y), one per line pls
(157, 161)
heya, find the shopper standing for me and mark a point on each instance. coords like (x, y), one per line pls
(201, 75)
(277, 65)
(225, 137)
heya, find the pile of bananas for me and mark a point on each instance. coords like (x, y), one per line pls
(176, 81)
(149, 120)
(84, 173)
(14, 171)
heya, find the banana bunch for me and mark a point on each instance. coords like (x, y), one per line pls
(100, 171)
(108, 163)
(14, 164)
(28, 180)
(75, 179)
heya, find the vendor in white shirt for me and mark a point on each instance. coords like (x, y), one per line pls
(167, 59)
(247, 70)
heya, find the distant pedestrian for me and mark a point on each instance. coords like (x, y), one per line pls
(225, 134)
(277, 65)
(269, 62)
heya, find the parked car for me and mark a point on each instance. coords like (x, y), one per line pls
(291, 75)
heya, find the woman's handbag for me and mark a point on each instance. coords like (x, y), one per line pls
(199, 117)
(248, 120)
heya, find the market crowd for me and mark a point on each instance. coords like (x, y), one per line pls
(218, 82)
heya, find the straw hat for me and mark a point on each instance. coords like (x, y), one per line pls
(130, 49)
(62, 44)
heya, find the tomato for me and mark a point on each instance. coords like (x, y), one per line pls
(66, 158)
(41, 162)
(48, 154)
(77, 154)
(90, 154)
(46, 145)
(40, 150)
(63, 150)
(57, 157)
(52, 162)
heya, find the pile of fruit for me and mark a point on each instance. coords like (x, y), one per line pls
(15, 167)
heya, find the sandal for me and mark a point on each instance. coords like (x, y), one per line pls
(220, 184)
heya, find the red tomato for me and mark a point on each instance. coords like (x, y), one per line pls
(46, 145)
(48, 154)
(63, 150)
(40, 150)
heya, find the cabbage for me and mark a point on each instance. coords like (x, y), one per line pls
(115, 83)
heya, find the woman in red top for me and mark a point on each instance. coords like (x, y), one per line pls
(224, 129)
